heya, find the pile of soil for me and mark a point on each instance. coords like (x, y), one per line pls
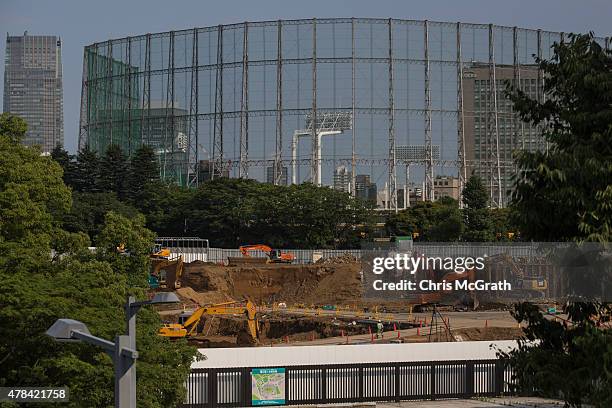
(272, 283)
(488, 333)
(190, 297)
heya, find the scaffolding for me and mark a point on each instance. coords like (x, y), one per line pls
(230, 98)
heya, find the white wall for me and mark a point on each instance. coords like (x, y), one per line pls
(349, 354)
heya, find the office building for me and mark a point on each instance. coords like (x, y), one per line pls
(33, 87)
(485, 125)
(342, 179)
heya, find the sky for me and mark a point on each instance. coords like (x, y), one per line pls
(83, 22)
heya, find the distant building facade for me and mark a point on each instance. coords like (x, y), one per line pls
(480, 124)
(342, 179)
(270, 175)
(365, 188)
(33, 87)
(205, 171)
(447, 186)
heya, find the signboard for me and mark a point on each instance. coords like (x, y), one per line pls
(267, 386)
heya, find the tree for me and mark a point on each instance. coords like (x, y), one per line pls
(89, 211)
(12, 127)
(235, 212)
(438, 221)
(87, 173)
(31, 192)
(37, 289)
(114, 172)
(564, 193)
(68, 164)
(143, 171)
(476, 214)
(569, 359)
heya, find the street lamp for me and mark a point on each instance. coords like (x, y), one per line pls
(122, 351)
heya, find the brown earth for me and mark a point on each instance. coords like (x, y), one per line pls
(488, 333)
(272, 283)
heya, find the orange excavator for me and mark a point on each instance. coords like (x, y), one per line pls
(273, 255)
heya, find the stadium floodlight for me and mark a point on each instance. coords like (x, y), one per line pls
(416, 153)
(325, 124)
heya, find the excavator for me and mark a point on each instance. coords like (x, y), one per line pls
(166, 271)
(274, 255)
(188, 323)
(526, 286)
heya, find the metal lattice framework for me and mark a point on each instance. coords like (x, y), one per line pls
(227, 100)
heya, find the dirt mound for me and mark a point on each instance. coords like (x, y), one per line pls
(342, 259)
(488, 333)
(188, 295)
(270, 283)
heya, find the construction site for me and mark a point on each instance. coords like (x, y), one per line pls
(271, 301)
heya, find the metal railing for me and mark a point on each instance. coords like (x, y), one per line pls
(348, 383)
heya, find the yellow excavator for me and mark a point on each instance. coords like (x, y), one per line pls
(166, 271)
(532, 286)
(188, 324)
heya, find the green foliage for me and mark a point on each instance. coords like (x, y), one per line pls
(433, 221)
(68, 164)
(114, 172)
(570, 360)
(12, 127)
(143, 172)
(137, 240)
(235, 212)
(31, 191)
(477, 216)
(38, 288)
(87, 177)
(89, 209)
(565, 193)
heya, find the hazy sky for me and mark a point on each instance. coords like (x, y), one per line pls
(82, 22)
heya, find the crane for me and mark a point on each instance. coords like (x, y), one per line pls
(189, 326)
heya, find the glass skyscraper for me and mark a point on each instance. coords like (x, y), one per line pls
(33, 87)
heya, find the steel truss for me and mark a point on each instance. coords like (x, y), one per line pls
(105, 118)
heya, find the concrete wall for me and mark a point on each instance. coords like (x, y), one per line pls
(349, 354)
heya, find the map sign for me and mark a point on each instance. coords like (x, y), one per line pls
(268, 386)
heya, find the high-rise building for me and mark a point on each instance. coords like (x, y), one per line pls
(483, 125)
(365, 188)
(33, 87)
(270, 175)
(342, 179)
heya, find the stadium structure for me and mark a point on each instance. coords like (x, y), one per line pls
(398, 102)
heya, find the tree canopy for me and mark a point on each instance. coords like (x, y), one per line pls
(39, 287)
(564, 193)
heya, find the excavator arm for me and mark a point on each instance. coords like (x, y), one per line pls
(190, 326)
(246, 249)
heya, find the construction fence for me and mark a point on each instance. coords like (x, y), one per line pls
(347, 383)
(307, 256)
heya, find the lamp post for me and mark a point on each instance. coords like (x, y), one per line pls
(122, 351)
